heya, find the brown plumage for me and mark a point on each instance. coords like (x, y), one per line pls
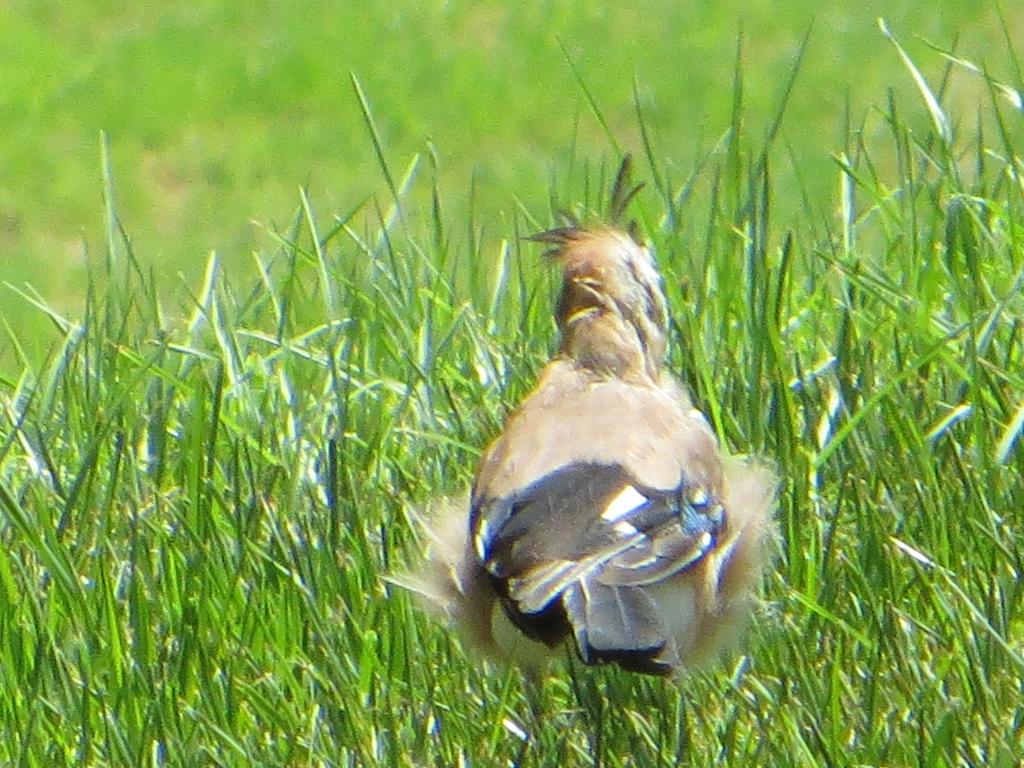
(604, 512)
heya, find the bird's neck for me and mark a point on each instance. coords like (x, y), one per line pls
(602, 342)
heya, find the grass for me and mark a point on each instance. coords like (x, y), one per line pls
(216, 114)
(198, 513)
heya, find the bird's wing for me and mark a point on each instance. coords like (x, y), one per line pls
(580, 546)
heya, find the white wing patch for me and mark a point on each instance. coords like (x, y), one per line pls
(628, 500)
(483, 534)
(625, 529)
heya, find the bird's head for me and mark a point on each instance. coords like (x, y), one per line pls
(611, 312)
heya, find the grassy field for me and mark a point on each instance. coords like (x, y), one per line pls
(200, 496)
(217, 114)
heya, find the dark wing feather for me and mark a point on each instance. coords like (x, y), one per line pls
(574, 552)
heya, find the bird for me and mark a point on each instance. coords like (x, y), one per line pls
(604, 516)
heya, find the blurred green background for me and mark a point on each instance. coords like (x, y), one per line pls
(198, 504)
(218, 112)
